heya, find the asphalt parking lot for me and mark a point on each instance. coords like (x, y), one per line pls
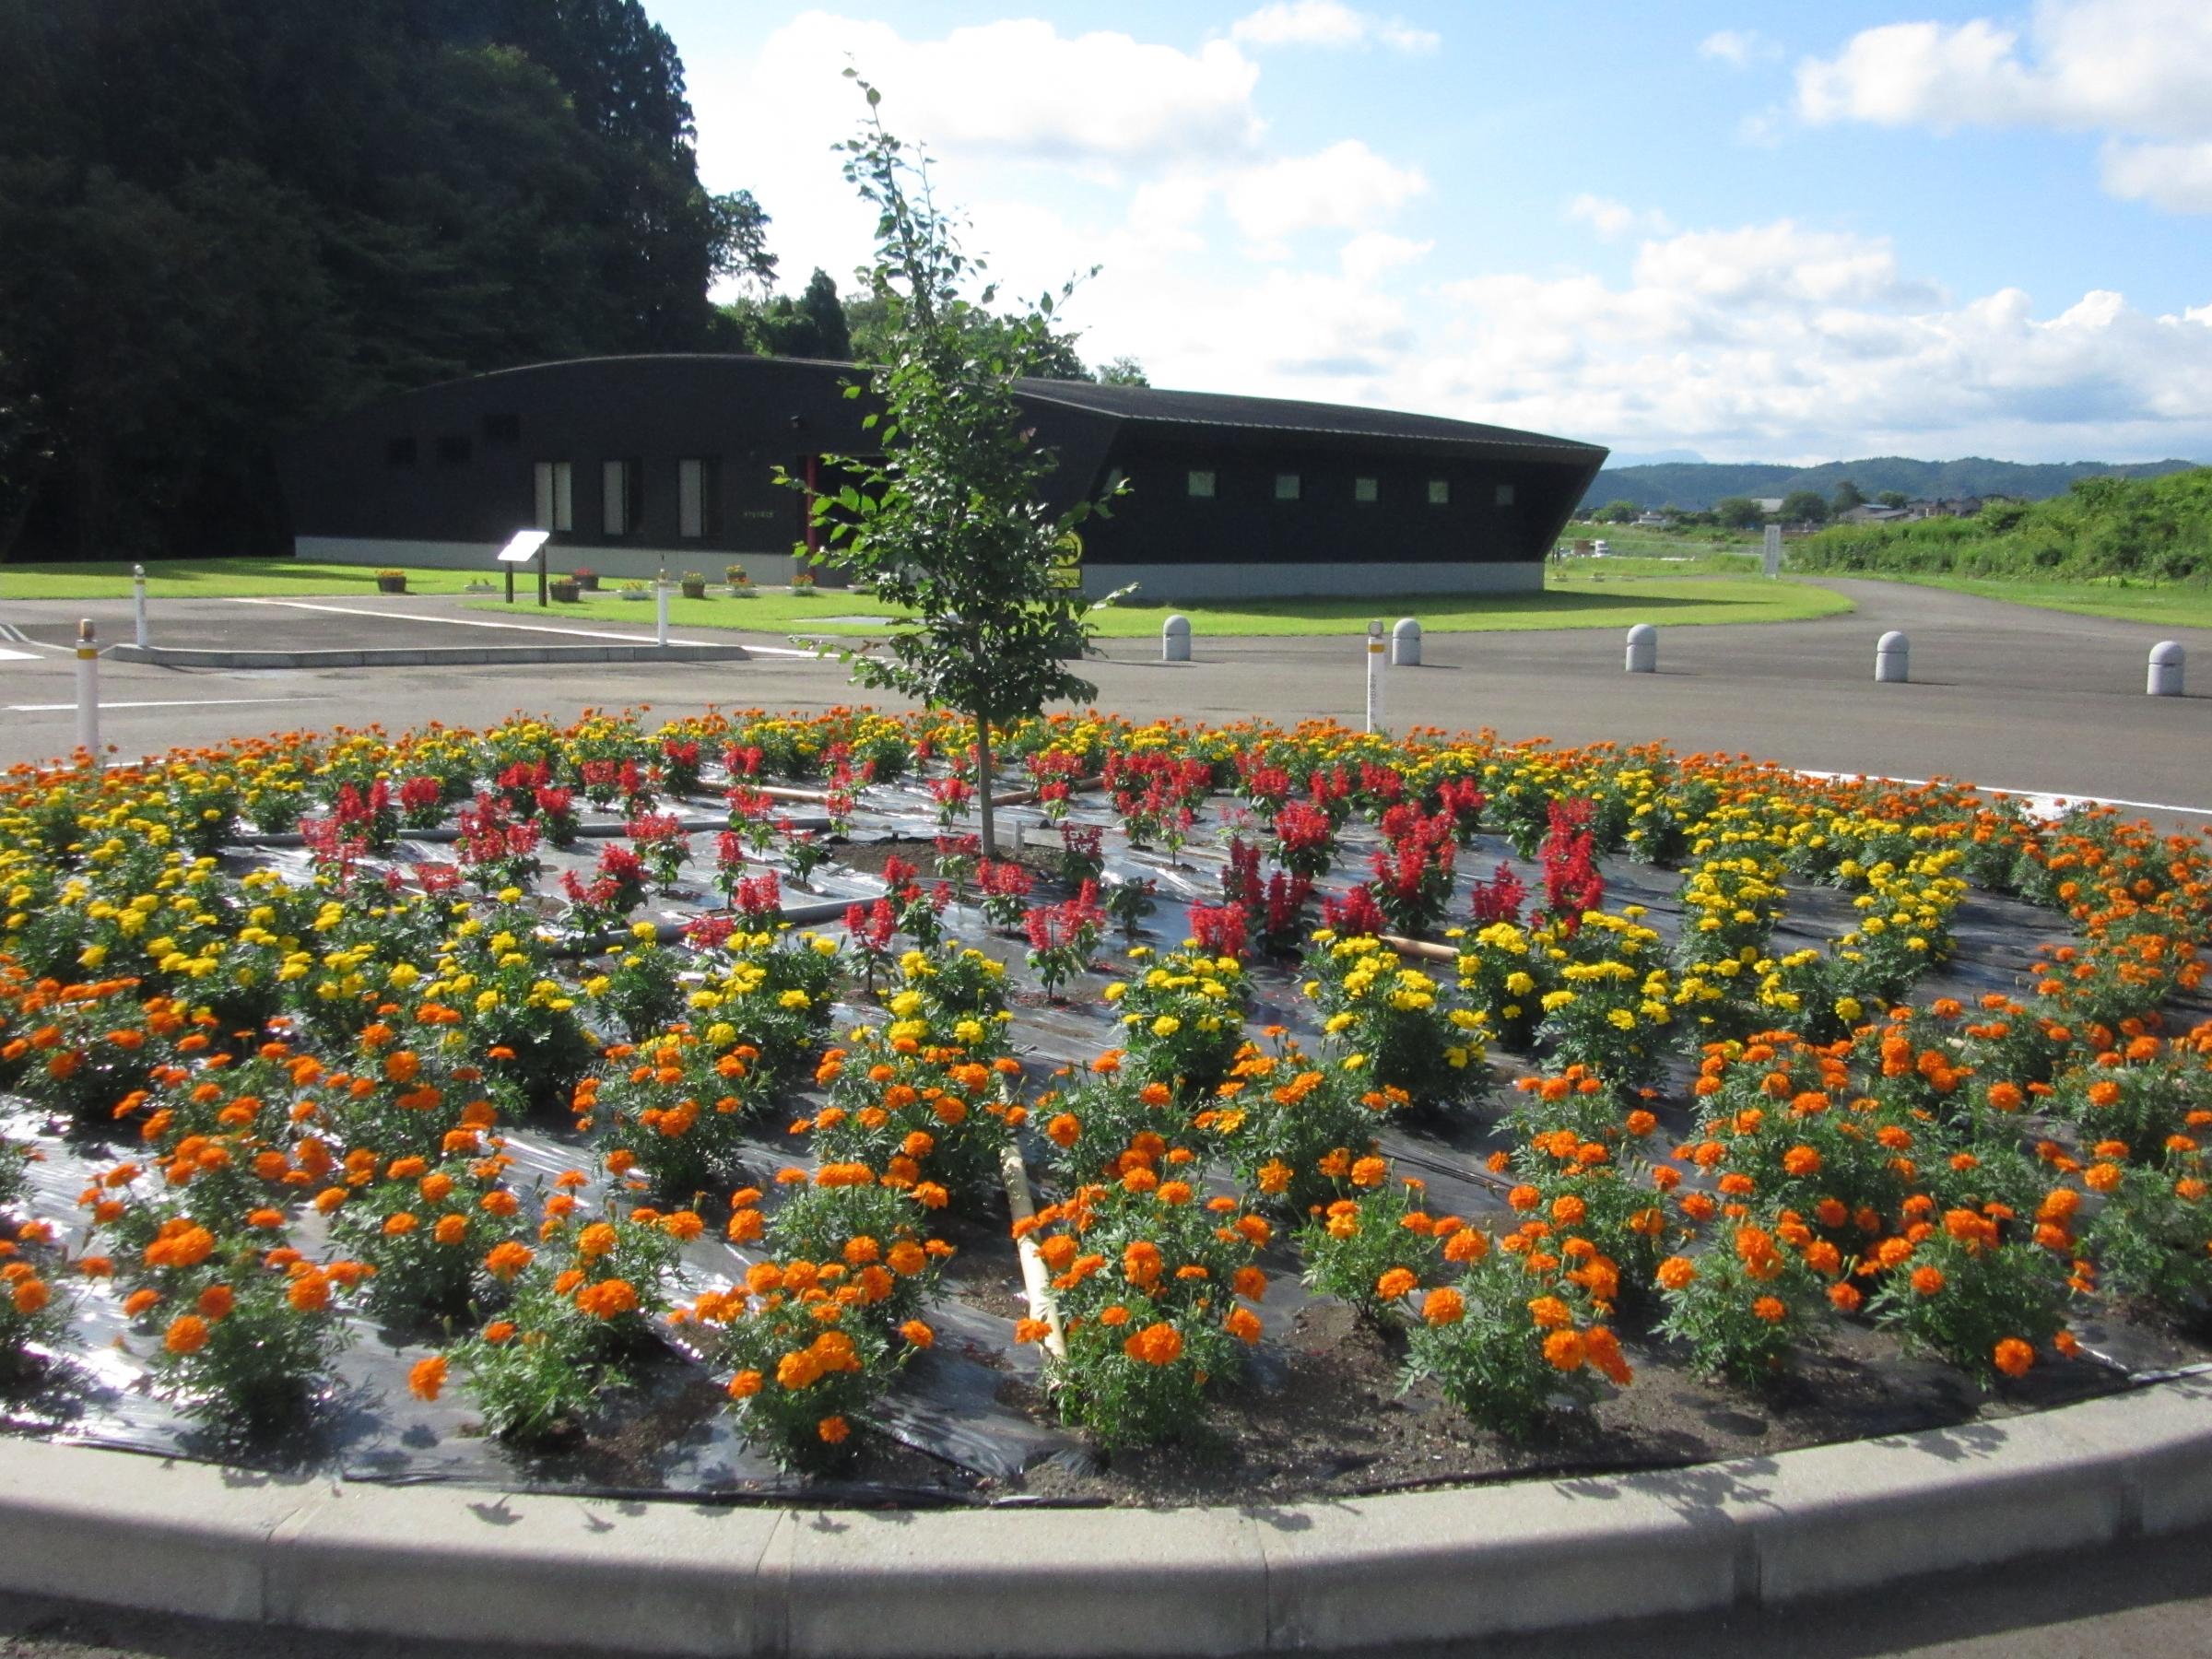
(2002, 695)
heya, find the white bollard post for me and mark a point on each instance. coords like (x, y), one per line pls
(138, 602)
(1406, 644)
(2167, 661)
(88, 692)
(1375, 660)
(660, 607)
(1643, 649)
(1175, 640)
(1893, 659)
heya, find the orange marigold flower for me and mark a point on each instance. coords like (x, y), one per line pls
(1444, 1306)
(1394, 1283)
(1566, 1351)
(1549, 1312)
(1927, 1281)
(1243, 1324)
(1845, 1296)
(1467, 1244)
(1158, 1344)
(427, 1378)
(917, 1333)
(2013, 1357)
(1771, 1309)
(833, 1430)
(187, 1334)
(216, 1302)
(1676, 1272)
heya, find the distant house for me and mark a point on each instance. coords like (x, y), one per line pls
(1871, 514)
(1946, 507)
(1770, 505)
(1654, 521)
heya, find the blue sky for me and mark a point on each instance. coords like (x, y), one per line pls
(1861, 229)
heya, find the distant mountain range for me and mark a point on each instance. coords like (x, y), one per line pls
(1696, 486)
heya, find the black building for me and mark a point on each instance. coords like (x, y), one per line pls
(645, 463)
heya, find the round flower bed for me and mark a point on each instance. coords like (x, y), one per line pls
(623, 1105)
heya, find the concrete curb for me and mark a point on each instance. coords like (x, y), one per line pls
(428, 655)
(1456, 1565)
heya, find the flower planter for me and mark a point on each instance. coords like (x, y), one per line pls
(391, 584)
(588, 580)
(695, 590)
(566, 592)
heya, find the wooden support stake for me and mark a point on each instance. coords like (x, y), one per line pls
(1034, 1281)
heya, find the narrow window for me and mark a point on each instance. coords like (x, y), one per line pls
(1505, 495)
(1286, 487)
(553, 496)
(617, 491)
(1366, 489)
(1440, 492)
(399, 452)
(1202, 484)
(695, 498)
(453, 448)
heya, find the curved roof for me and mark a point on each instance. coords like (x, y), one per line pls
(1158, 406)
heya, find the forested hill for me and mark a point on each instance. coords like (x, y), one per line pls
(222, 219)
(1696, 487)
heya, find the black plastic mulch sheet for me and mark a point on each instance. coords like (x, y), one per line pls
(667, 1433)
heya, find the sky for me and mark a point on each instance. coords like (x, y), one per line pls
(1742, 232)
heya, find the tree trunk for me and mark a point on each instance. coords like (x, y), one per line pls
(983, 786)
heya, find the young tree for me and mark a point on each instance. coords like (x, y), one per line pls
(1738, 512)
(1847, 496)
(949, 521)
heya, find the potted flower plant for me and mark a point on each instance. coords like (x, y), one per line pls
(391, 582)
(564, 590)
(801, 582)
(735, 576)
(587, 579)
(694, 584)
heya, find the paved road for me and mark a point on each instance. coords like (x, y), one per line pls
(2006, 695)
(2144, 1600)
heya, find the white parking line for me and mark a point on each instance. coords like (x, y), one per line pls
(581, 633)
(209, 702)
(18, 656)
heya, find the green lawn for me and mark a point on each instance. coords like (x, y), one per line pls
(1616, 603)
(2130, 602)
(1587, 593)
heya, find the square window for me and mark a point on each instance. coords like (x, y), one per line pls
(1202, 485)
(1505, 495)
(1440, 492)
(1366, 489)
(1286, 487)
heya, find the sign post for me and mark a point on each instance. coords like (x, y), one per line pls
(1773, 550)
(1375, 660)
(88, 692)
(138, 602)
(521, 548)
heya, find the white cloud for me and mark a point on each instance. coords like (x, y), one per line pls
(1328, 23)
(1610, 218)
(2140, 72)
(1777, 341)
(1345, 186)
(1739, 48)
(2177, 177)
